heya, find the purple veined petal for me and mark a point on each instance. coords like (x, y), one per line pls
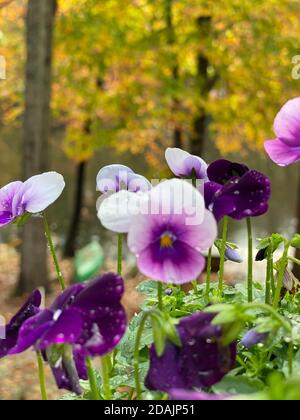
(103, 330)
(222, 170)
(138, 183)
(7, 195)
(117, 211)
(164, 373)
(183, 164)
(66, 299)
(184, 395)
(178, 264)
(32, 330)
(111, 178)
(287, 123)
(80, 363)
(38, 192)
(281, 153)
(66, 329)
(106, 290)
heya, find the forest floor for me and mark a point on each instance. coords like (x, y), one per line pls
(18, 374)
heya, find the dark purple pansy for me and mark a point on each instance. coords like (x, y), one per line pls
(29, 309)
(236, 191)
(252, 338)
(200, 362)
(88, 318)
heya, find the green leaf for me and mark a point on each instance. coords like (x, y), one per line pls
(295, 242)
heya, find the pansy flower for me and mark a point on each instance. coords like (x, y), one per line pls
(29, 309)
(31, 196)
(200, 362)
(84, 321)
(253, 337)
(285, 149)
(114, 178)
(236, 191)
(185, 165)
(171, 232)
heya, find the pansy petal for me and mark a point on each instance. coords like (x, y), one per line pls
(65, 299)
(287, 123)
(222, 170)
(103, 330)
(281, 153)
(65, 330)
(7, 195)
(165, 367)
(179, 264)
(176, 196)
(203, 236)
(111, 178)
(117, 211)
(223, 206)
(40, 191)
(183, 164)
(105, 290)
(138, 183)
(32, 330)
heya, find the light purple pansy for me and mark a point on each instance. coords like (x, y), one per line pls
(88, 318)
(285, 149)
(31, 196)
(114, 178)
(201, 360)
(185, 165)
(171, 232)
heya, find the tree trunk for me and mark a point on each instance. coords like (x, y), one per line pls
(206, 83)
(296, 268)
(36, 126)
(171, 39)
(70, 246)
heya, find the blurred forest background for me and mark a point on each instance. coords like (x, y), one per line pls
(91, 82)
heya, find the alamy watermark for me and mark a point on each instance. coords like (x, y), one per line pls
(296, 68)
(2, 67)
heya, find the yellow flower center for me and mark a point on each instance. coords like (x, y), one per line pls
(166, 240)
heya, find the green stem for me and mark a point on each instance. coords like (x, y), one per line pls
(291, 357)
(268, 276)
(250, 260)
(136, 356)
(53, 253)
(222, 255)
(208, 271)
(42, 376)
(160, 296)
(283, 265)
(195, 286)
(120, 253)
(105, 378)
(92, 380)
(273, 288)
